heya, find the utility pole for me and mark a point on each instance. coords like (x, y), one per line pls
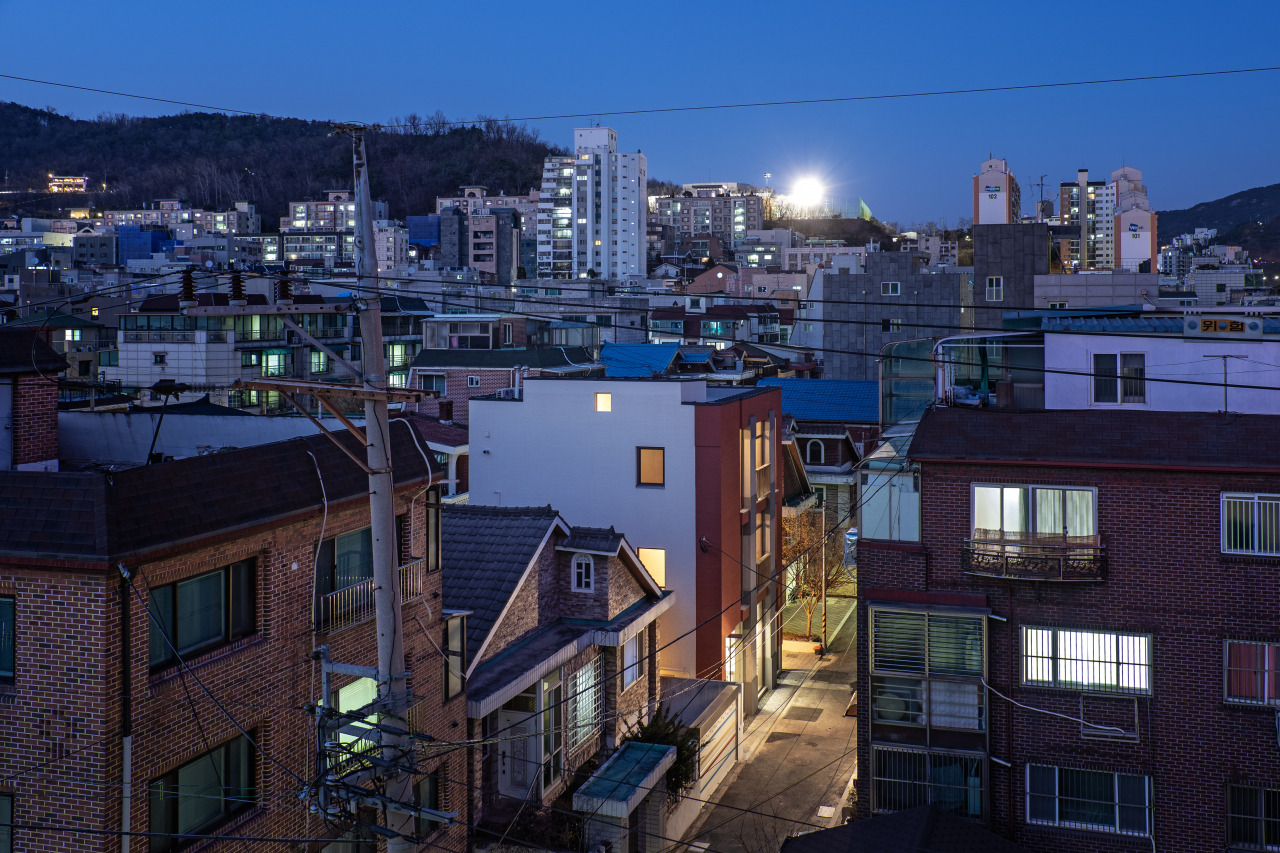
(1224, 376)
(382, 513)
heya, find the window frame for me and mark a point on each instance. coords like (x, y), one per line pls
(930, 786)
(1116, 804)
(9, 636)
(995, 289)
(890, 288)
(640, 481)
(588, 692)
(1058, 683)
(167, 813)
(1031, 489)
(582, 570)
(230, 632)
(822, 452)
(455, 656)
(1268, 676)
(1254, 499)
(1261, 819)
(635, 670)
(1120, 382)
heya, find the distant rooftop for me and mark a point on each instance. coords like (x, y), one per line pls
(841, 400)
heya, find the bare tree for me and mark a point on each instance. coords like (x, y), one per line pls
(815, 560)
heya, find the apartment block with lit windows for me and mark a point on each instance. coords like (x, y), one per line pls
(716, 209)
(592, 210)
(1068, 631)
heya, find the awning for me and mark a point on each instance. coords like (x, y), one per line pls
(278, 351)
(338, 347)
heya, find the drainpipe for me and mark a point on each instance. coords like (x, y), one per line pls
(126, 719)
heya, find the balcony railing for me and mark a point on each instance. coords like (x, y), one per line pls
(354, 604)
(1032, 556)
(163, 337)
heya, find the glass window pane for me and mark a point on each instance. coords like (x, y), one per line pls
(651, 466)
(1016, 510)
(1078, 512)
(897, 700)
(955, 646)
(986, 509)
(8, 637)
(199, 611)
(1086, 659)
(1086, 797)
(1049, 511)
(956, 705)
(1133, 367)
(243, 598)
(1104, 378)
(354, 558)
(199, 792)
(1244, 811)
(162, 609)
(1037, 656)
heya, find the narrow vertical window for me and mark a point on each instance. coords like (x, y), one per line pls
(455, 656)
(583, 573)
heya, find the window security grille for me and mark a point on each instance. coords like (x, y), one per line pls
(586, 705)
(1089, 799)
(1251, 524)
(1253, 672)
(904, 779)
(1253, 817)
(1086, 660)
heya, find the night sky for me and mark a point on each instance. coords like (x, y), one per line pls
(911, 159)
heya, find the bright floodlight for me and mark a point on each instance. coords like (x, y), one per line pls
(807, 192)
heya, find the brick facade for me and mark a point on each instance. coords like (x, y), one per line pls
(1166, 577)
(61, 722)
(35, 424)
(459, 390)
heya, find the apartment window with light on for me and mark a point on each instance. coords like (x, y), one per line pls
(1253, 817)
(650, 466)
(995, 288)
(201, 613)
(1089, 799)
(203, 794)
(654, 561)
(1034, 514)
(1096, 661)
(1251, 524)
(1119, 377)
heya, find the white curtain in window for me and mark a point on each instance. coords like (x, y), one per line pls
(1078, 512)
(986, 508)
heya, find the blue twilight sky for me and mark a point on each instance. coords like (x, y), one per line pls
(911, 160)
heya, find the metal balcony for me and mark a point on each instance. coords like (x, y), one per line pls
(1035, 557)
(354, 604)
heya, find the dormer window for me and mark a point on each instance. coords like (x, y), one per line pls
(583, 573)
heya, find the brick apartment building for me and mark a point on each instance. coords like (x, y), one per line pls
(1116, 583)
(250, 558)
(28, 401)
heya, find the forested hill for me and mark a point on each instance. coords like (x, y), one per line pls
(1259, 204)
(215, 160)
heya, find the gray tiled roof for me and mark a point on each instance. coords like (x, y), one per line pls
(602, 539)
(1093, 436)
(116, 515)
(925, 829)
(485, 552)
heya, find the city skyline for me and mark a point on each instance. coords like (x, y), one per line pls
(910, 159)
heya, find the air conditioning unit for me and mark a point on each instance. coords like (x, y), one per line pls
(507, 394)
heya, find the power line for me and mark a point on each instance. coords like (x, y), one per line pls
(705, 107)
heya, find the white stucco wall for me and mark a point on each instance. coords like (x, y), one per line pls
(1173, 358)
(554, 448)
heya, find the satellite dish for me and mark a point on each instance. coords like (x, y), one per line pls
(208, 264)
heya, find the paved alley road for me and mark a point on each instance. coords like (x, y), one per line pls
(801, 755)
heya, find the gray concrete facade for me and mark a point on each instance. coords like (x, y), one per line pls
(1013, 255)
(455, 243)
(898, 298)
(1096, 289)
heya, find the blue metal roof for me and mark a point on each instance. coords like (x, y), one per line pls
(623, 361)
(695, 357)
(842, 400)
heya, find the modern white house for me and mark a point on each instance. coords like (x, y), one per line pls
(688, 469)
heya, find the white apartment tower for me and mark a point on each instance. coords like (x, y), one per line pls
(1117, 225)
(591, 212)
(997, 200)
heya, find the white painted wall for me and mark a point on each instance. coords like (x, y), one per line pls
(555, 448)
(124, 437)
(1174, 358)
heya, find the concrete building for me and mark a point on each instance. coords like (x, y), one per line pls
(688, 470)
(476, 199)
(337, 212)
(592, 210)
(997, 200)
(95, 248)
(1095, 289)
(715, 208)
(1006, 261)
(1117, 225)
(898, 297)
(391, 242)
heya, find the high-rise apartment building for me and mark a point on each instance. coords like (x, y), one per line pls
(475, 199)
(997, 200)
(1117, 225)
(591, 211)
(718, 209)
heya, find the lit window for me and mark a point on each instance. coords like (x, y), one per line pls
(604, 402)
(632, 660)
(583, 573)
(655, 563)
(1086, 660)
(93, 311)
(650, 466)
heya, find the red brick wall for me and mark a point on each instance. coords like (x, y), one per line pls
(69, 681)
(35, 421)
(1166, 577)
(456, 388)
